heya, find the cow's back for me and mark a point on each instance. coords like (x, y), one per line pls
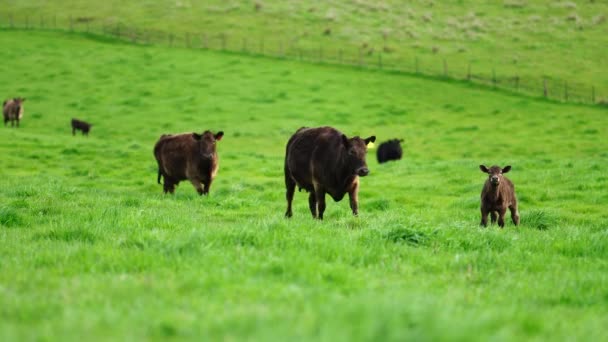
(173, 153)
(308, 153)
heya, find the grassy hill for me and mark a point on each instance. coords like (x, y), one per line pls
(89, 246)
(563, 41)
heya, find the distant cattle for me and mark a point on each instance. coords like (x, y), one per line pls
(12, 109)
(323, 160)
(189, 156)
(497, 195)
(389, 150)
(80, 125)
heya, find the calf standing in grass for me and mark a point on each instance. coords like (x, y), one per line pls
(323, 160)
(12, 109)
(85, 127)
(189, 156)
(497, 195)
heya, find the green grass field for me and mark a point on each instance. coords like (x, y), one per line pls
(532, 39)
(90, 247)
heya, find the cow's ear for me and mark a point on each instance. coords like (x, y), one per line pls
(370, 139)
(196, 136)
(483, 168)
(506, 169)
(344, 140)
(219, 135)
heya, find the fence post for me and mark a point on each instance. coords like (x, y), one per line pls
(545, 87)
(566, 91)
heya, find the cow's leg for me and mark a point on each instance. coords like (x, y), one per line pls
(354, 199)
(197, 185)
(320, 197)
(168, 185)
(312, 204)
(493, 216)
(501, 217)
(514, 214)
(207, 186)
(290, 187)
(484, 217)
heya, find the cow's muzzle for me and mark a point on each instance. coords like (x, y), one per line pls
(363, 171)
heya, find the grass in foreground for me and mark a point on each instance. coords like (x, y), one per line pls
(90, 246)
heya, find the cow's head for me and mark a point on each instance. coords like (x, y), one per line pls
(207, 142)
(356, 149)
(495, 173)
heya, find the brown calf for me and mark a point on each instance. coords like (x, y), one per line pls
(189, 156)
(83, 126)
(12, 109)
(323, 160)
(497, 195)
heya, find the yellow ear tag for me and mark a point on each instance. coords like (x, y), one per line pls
(370, 145)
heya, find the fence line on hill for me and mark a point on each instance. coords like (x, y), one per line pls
(360, 57)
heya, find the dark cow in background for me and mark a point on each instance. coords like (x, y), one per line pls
(83, 126)
(189, 156)
(497, 195)
(389, 150)
(12, 109)
(323, 160)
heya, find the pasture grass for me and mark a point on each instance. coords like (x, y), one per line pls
(89, 245)
(532, 39)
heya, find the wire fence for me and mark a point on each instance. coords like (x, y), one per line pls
(292, 48)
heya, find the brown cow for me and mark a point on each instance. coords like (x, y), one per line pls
(83, 126)
(497, 195)
(12, 109)
(189, 156)
(323, 160)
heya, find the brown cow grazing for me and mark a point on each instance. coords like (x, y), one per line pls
(83, 126)
(497, 195)
(12, 109)
(189, 156)
(323, 160)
